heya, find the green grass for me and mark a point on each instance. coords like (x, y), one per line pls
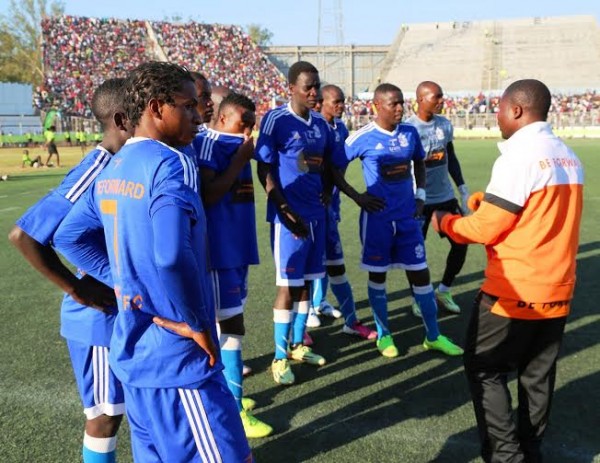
(360, 406)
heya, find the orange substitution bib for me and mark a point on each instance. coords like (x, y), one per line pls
(531, 310)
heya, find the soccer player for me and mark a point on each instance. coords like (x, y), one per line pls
(223, 156)
(178, 405)
(391, 235)
(293, 145)
(332, 109)
(205, 102)
(86, 330)
(529, 222)
(217, 94)
(50, 136)
(27, 161)
(436, 134)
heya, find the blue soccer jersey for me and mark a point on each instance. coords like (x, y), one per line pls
(78, 323)
(232, 220)
(145, 177)
(340, 132)
(387, 165)
(435, 137)
(298, 149)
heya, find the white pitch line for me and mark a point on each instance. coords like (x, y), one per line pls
(6, 209)
(3, 196)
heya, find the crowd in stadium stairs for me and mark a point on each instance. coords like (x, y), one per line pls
(79, 53)
(227, 55)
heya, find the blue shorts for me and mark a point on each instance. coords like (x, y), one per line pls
(100, 391)
(298, 260)
(334, 254)
(389, 244)
(192, 425)
(230, 288)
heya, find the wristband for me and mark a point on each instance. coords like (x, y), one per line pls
(463, 190)
(420, 194)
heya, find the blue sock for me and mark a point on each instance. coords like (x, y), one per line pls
(299, 323)
(425, 297)
(231, 356)
(378, 300)
(318, 290)
(99, 449)
(343, 293)
(282, 320)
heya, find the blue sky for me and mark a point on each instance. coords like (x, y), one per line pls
(366, 22)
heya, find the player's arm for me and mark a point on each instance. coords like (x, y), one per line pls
(290, 219)
(493, 218)
(178, 270)
(456, 174)
(420, 172)
(215, 185)
(339, 162)
(365, 200)
(505, 196)
(86, 291)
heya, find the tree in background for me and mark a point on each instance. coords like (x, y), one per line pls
(21, 39)
(259, 35)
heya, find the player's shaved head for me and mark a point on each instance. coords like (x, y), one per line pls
(218, 93)
(331, 91)
(236, 100)
(532, 95)
(384, 89)
(427, 86)
(107, 100)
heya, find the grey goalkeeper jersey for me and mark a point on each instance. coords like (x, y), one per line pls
(435, 136)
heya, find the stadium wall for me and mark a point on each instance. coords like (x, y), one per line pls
(351, 67)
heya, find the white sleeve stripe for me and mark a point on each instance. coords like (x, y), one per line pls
(367, 128)
(188, 166)
(270, 122)
(206, 154)
(216, 289)
(88, 177)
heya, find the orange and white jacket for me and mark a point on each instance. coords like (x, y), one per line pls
(529, 221)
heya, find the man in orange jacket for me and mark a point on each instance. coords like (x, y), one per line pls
(529, 222)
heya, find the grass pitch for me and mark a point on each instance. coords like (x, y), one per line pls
(358, 407)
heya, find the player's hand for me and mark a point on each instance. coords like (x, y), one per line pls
(325, 198)
(92, 293)
(369, 202)
(203, 338)
(246, 150)
(293, 222)
(436, 220)
(474, 200)
(464, 199)
(420, 205)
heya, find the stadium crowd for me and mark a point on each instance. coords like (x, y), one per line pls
(225, 53)
(79, 53)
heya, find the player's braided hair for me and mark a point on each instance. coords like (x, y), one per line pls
(239, 100)
(108, 100)
(150, 80)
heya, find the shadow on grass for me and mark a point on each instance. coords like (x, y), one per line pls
(398, 390)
